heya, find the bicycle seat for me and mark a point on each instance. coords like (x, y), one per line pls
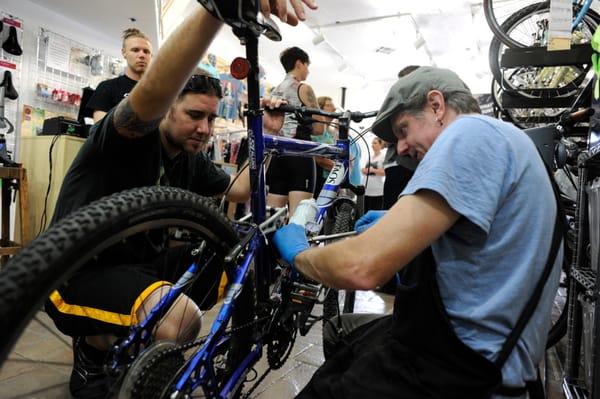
(270, 28)
(11, 45)
(10, 93)
(243, 17)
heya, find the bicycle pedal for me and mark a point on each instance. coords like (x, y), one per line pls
(302, 293)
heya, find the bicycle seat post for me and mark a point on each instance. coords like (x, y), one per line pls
(255, 133)
(256, 147)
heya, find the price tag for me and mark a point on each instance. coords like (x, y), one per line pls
(559, 25)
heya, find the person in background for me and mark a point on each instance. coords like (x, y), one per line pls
(398, 168)
(137, 51)
(328, 136)
(374, 177)
(292, 179)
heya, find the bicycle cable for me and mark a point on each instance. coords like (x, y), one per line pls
(223, 199)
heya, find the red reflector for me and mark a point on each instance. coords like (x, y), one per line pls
(240, 67)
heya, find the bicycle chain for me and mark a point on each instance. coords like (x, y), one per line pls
(267, 371)
(184, 347)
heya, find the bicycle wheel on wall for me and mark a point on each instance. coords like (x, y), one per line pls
(343, 218)
(175, 216)
(529, 24)
(523, 118)
(498, 11)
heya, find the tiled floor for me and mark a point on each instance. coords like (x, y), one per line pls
(48, 379)
(26, 375)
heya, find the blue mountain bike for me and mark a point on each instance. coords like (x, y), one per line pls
(265, 303)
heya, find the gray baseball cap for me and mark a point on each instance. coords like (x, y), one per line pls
(420, 81)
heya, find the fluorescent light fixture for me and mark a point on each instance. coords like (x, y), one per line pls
(343, 66)
(419, 41)
(318, 39)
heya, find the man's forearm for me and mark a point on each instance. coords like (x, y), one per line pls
(337, 265)
(240, 190)
(174, 63)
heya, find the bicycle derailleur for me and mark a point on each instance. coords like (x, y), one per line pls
(295, 297)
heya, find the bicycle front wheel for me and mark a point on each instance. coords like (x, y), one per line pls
(157, 218)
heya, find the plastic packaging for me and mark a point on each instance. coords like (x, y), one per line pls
(305, 215)
(305, 212)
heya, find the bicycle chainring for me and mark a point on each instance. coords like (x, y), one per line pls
(281, 341)
(152, 372)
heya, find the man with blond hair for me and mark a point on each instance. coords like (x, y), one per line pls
(137, 51)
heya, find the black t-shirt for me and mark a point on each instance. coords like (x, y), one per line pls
(110, 92)
(108, 163)
(391, 157)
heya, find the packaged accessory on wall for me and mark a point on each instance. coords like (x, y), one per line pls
(96, 67)
(11, 44)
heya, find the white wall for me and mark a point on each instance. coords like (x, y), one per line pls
(34, 17)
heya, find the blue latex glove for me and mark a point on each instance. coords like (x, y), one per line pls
(367, 220)
(290, 240)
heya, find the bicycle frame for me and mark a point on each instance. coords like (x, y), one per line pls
(258, 144)
(584, 9)
(252, 249)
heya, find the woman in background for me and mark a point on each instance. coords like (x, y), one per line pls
(374, 177)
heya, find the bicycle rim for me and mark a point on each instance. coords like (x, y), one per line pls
(497, 12)
(523, 118)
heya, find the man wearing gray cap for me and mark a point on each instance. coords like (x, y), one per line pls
(481, 221)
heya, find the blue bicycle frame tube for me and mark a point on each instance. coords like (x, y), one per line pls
(157, 311)
(203, 356)
(303, 148)
(584, 9)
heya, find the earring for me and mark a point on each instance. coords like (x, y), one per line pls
(439, 121)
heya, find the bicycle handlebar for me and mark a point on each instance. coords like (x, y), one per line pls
(306, 111)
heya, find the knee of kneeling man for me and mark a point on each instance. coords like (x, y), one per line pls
(182, 323)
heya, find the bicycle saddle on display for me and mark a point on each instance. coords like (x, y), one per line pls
(96, 65)
(10, 93)
(243, 17)
(11, 45)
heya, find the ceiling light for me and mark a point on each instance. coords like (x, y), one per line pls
(318, 39)
(419, 41)
(384, 50)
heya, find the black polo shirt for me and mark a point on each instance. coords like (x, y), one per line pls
(108, 163)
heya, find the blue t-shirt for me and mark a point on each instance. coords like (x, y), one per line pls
(491, 259)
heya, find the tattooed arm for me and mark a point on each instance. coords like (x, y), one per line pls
(308, 98)
(150, 99)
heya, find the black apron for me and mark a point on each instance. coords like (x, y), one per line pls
(415, 353)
